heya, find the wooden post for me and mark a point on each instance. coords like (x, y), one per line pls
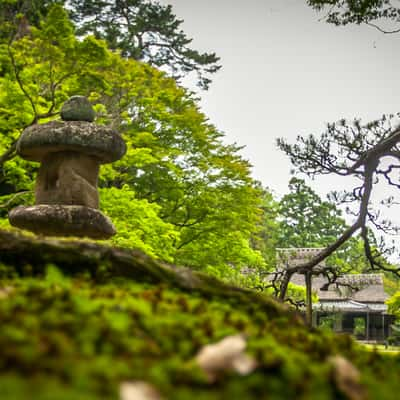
(308, 279)
(315, 318)
(383, 327)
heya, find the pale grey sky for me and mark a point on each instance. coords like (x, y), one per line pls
(285, 73)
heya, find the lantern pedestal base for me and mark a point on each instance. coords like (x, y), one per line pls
(62, 220)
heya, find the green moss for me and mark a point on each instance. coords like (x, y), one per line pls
(69, 338)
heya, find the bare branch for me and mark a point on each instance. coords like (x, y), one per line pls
(381, 29)
(347, 234)
(20, 83)
(15, 196)
(9, 153)
(375, 260)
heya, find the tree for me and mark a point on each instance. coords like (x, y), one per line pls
(139, 223)
(308, 221)
(369, 153)
(199, 205)
(177, 159)
(144, 30)
(38, 72)
(369, 12)
(268, 237)
(305, 220)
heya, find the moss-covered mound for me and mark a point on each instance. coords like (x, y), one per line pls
(77, 319)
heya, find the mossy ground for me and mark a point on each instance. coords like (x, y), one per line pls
(71, 337)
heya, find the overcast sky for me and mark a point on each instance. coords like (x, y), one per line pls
(286, 73)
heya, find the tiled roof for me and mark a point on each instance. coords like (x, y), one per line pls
(371, 293)
(365, 288)
(349, 305)
(295, 256)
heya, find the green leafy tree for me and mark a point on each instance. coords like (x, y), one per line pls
(38, 72)
(144, 30)
(177, 159)
(267, 239)
(308, 221)
(195, 193)
(138, 223)
(394, 305)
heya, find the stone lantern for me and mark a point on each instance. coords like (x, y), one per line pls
(70, 153)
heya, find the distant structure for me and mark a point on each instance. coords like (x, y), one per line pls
(354, 303)
(292, 257)
(70, 153)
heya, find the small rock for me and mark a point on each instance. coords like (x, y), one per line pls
(227, 354)
(138, 391)
(347, 378)
(5, 291)
(77, 108)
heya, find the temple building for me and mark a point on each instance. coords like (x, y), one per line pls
(354, 304)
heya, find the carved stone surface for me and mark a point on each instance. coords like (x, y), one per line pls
(79, 136)
(62, 220)
(68, 178)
